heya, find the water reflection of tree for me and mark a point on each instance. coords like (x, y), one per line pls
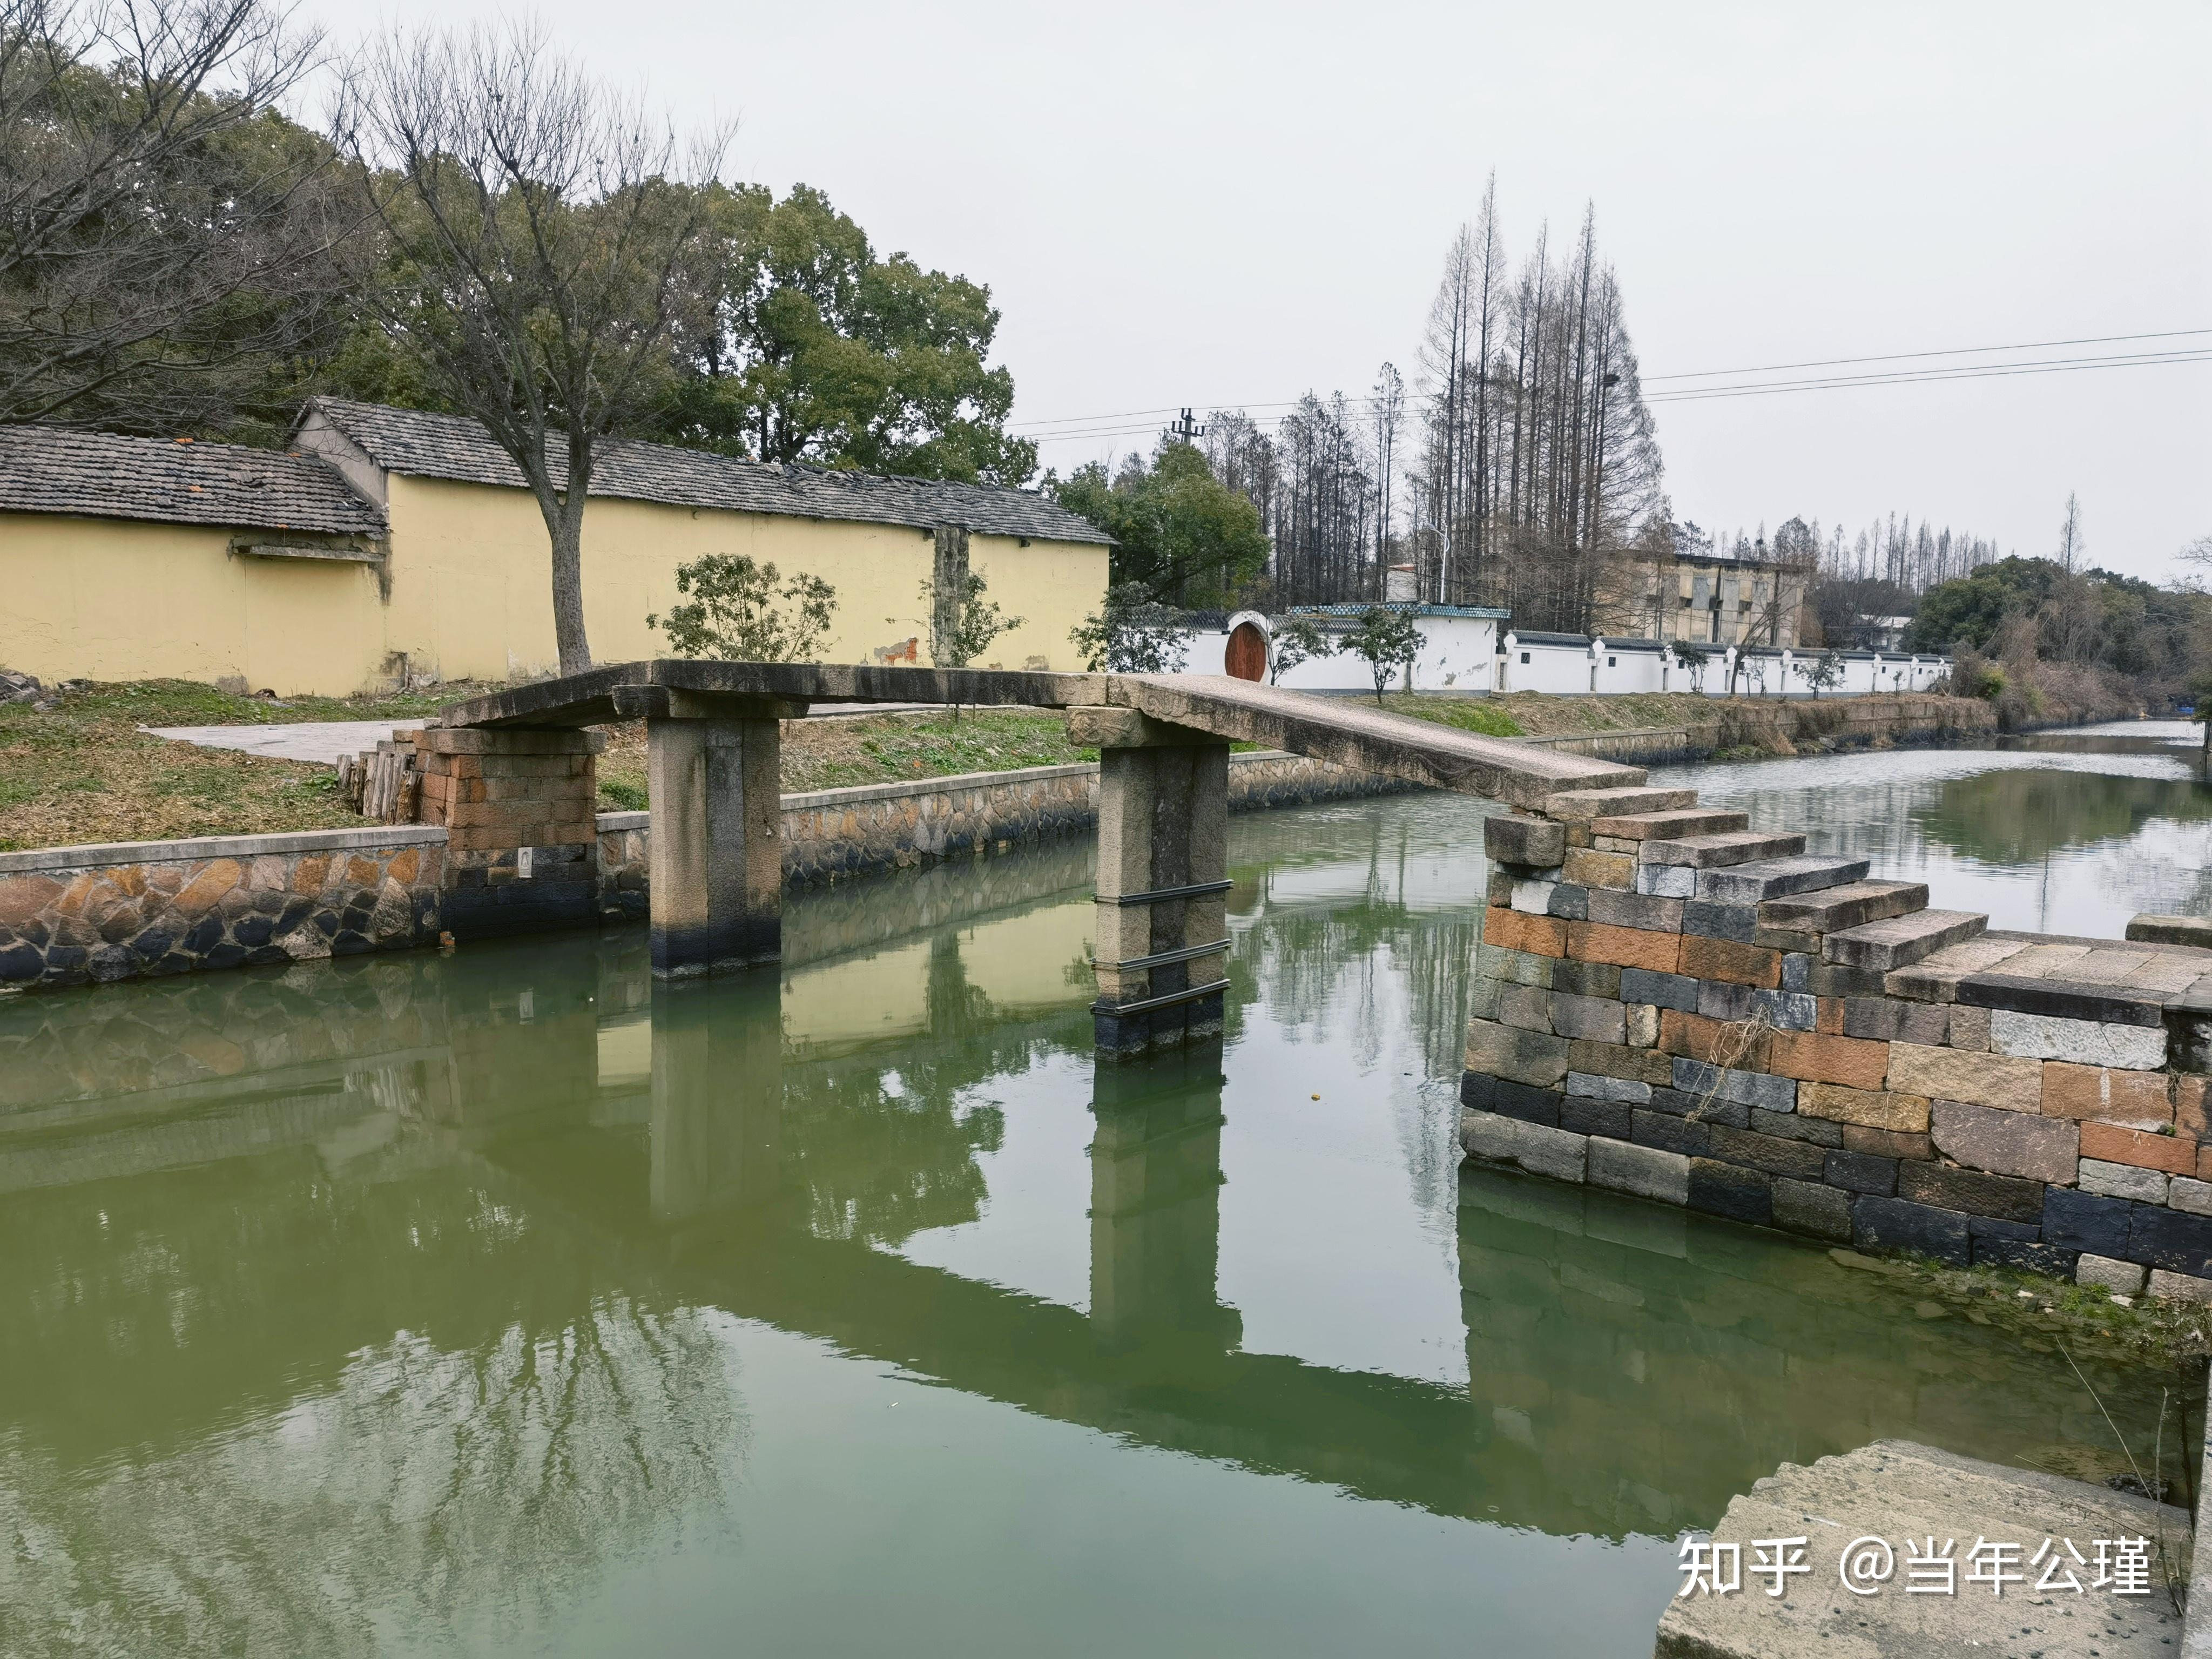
(1340, 973)
(884, 1143)
(277, 1414)
(2016, 816)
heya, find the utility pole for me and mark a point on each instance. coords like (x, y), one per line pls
(1185, 429)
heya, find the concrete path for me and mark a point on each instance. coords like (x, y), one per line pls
(320, 741)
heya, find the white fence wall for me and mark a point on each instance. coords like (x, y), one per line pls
(1457, 653)
(1464, 653)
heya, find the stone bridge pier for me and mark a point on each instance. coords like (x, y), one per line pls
(1161, 945)
(714, 765)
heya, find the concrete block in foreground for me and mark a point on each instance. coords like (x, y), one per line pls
(1893, 1489)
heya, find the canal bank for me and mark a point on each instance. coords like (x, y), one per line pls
(73, 915)
(1745, 728)
(96, 913)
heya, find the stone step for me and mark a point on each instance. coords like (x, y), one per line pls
(1670, 826)
(1896, 1491)
(1771, 878)
(1579, 805)
(1709, 852)
(1900, 941)
(1853, 904)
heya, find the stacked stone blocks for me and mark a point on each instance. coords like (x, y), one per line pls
(1670, 1003)
(522, 814)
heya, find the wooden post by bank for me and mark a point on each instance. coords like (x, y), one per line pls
(1161, 949)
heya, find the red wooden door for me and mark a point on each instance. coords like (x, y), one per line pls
(1246, 658)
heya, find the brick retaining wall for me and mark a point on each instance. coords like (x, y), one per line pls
(1671, 1005)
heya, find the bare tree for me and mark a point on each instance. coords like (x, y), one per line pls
(159, 227)
(546, 240)
(2071, 545)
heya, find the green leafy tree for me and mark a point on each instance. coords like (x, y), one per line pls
(1386, 639)
(740, 611)
(815, 350)
(1186, 536)
(1132, 633)
(2199, 693)
(962, 630)
(1298, 640)
(1970, 610)
(1824, 672)
(974, 622)
(1693, 659)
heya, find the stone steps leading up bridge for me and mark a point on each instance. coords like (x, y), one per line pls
(1669, 1003)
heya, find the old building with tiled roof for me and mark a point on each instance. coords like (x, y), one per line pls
(52, 470)
(417, 443)
(390, 544)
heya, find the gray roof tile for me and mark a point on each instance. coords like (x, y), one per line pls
(45, 469)
(412, 442)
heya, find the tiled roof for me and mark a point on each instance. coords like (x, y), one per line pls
(413, 443)
(45, 469)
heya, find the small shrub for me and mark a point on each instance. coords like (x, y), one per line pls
(738, 612)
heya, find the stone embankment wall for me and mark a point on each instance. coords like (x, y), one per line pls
(831, 832)
(73, 915)
(1669, 1004)
(1769, 727)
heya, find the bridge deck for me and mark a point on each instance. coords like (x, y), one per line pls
(1335, 729)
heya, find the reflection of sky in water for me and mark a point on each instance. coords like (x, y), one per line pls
(1349, 926)
(2052, 842)
(561, 1313)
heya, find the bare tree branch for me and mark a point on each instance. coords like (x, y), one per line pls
(161, 227)
(542, 240)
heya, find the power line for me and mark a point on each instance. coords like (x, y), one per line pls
(1703, 394)
(1956, 352)
(1915, 376)
(1963, 371)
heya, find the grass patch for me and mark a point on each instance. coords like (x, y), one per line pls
(84, 772)
(1486, 717)
(2042, 1315)
(839, 753)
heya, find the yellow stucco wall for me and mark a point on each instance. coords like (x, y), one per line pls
(471, 592)
(472, 599)
(126, 599)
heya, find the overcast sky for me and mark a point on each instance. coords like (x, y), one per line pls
(1220, 206)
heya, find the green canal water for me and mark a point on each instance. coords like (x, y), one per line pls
(505, 1303)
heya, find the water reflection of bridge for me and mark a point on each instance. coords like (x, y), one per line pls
(732, 1147)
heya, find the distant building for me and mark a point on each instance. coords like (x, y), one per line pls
(1707, 597)
(390, 544)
